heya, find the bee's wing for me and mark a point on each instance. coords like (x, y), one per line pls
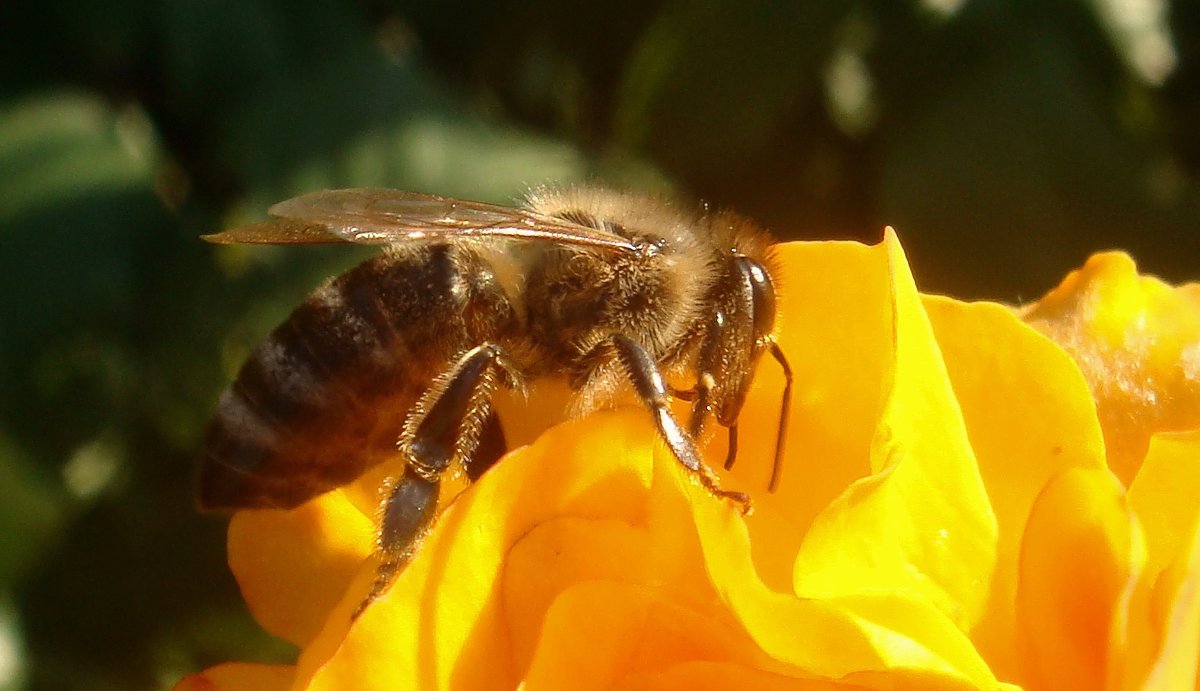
(382, 216)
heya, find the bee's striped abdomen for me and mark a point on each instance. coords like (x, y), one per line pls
(325, 395)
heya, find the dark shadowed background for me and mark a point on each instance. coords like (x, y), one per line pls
(1005, 140)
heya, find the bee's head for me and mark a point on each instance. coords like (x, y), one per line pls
(759, 291)
(742, 327)
(739, 332)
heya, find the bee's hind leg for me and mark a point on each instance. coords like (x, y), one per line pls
(648, 382)
(453, 419)
(408, 512)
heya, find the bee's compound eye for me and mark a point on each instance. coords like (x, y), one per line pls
(762, 295)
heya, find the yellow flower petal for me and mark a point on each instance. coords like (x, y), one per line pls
(1080, 562)
(561, 553)
(835, 326)
(444, 627)
(1165, 495)
(921, 524)
(887, 637)
(1164, 498)
(294, 566)
(630, 630)
(1029, 415)
(239, 676)
(443, 622)
(1137, 341)
(1177, 616)
(722, 676)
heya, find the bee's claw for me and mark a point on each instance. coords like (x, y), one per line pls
(739, 498)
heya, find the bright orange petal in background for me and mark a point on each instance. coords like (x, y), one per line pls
(1175, 614)
(1137, 340)
(1029, 415)
(1165, 495)
(1092, 613)
(1080, 562)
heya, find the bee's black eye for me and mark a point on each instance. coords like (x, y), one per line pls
(762, 294)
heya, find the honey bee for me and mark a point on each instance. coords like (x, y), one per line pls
(402, 354)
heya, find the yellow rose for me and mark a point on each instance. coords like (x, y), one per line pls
(1121, 609)
(946, 519)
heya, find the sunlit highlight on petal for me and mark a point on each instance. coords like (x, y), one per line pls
(922, 523)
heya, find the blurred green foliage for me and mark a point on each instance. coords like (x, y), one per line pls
(1006, 139)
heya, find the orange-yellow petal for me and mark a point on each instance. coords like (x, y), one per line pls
(294, 566)
(1029, 415)
(1164, 498)
(1165, 495)
(834, 323)
(239, 676)
(921, 524)
(704, 675)
(1176, 616)
(599, 632)
(561, 553)
(884, 638)
(1081, 559)
(1137, 341)
(451, 619)
(443, 623)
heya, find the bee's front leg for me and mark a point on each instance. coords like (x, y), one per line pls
(647, 380)
(700, 399)
(448, 422)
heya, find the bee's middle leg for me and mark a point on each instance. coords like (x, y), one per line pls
(452, 419)
(648, 382)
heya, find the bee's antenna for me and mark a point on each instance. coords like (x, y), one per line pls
(784, 408)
